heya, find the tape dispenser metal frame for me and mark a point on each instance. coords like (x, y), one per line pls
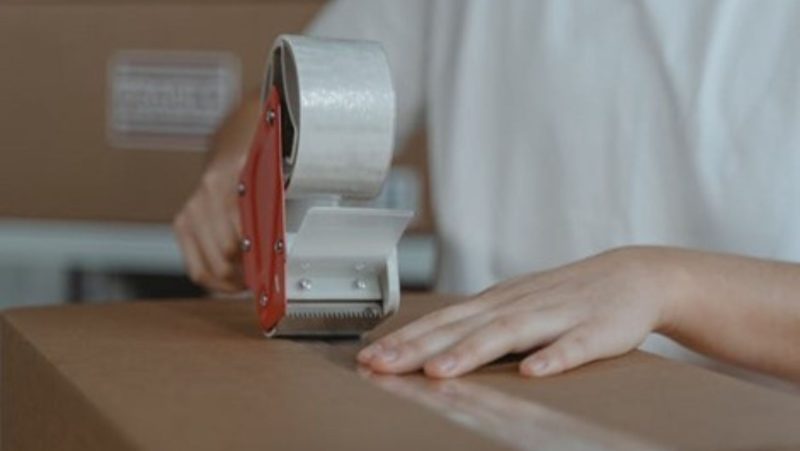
(315, 266)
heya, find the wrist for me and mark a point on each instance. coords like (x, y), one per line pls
(680, 282)
(668, 279)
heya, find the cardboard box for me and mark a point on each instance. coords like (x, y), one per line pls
(104, 102)
(197, 375)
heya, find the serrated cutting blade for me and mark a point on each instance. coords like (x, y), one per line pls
(328, 319)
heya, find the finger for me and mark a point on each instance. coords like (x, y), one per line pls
(216, 270)
(193, 260)
(229, 241)
(234, 241)
(512, 332)
(218, 220)
(221, 268)
(231, 206)
(235, 222)
(507, 292)
(489, 300)
(238, 279)
(220, 271)
(410, 355)
(423, 325)
(579, 346)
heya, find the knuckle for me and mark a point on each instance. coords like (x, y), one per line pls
(510, 325)
(469, 350)
(460, 354)
(399, 336)
(574, 349)
(507, 323)
(579, 342)
(441, 316)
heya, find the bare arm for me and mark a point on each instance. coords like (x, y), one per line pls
(742, 310)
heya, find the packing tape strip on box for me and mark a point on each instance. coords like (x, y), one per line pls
(340, 107)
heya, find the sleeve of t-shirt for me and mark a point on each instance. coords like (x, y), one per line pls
(401, 27)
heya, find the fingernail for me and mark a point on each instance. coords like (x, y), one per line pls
(368, 353)
(539, 367)
(388, 355)
(445, 364)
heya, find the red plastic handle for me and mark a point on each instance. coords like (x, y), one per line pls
(261, 208)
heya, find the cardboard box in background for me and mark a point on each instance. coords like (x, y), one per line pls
(95, 96)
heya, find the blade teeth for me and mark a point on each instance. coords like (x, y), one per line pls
(312, 314)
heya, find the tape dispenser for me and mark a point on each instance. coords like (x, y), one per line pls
(316, 262)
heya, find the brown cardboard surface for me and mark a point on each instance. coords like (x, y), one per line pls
(197, 375)
(55, 159)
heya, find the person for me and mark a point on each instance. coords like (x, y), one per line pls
(648, 151)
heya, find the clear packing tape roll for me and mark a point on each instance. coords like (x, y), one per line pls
(339, 115)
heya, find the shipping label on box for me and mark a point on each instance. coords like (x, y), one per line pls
(169, 100)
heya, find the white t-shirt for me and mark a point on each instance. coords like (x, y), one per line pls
(559, 129)
(562, 128)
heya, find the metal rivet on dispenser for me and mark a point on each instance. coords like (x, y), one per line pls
(246, 245)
